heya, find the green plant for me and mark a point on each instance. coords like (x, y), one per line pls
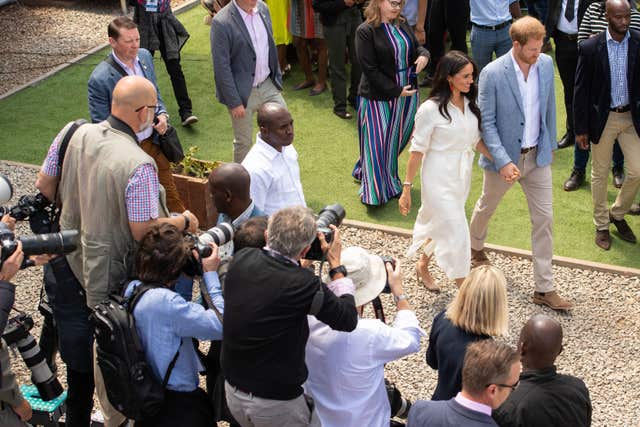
(191, 166)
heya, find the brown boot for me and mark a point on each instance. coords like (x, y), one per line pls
(551, 299)
(479, 258)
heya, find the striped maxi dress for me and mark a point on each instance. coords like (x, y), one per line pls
(384, 128)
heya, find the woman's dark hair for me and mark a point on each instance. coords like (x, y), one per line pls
(450, 65)
(162, 253)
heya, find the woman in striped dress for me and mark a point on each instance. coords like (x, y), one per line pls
(390, 57)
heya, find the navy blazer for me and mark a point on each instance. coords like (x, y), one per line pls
(592, 95)
(104, 78)
(234, 59)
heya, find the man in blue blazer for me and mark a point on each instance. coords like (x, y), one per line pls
(517, 102)
(245, 66)
(127, 58)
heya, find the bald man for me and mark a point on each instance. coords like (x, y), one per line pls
(273, 162)
(544, 398)
(108, 189)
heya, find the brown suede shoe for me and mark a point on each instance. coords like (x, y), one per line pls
(551, 299)
(479, 258)
(624, 231)
(603, 239)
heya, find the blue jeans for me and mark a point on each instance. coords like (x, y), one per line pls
(485, 42)
(581, 157)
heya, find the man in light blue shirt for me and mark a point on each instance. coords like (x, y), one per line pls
(490, 23)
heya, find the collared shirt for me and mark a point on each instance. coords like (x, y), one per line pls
(346, 369)
(474, 406)
(275, 177)
(568, 27)
(260, 41)
(618, 55)
(594, 21)
(165, 321)
(135, 71)
(529, 92)
(226, 250)
(141, 194)
(490, 12)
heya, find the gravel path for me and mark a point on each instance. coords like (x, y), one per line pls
(601, 334)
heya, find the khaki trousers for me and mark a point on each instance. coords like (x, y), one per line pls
(536, 184)
(243, 127)
(620, 126)
(112, 418)
(164, 175)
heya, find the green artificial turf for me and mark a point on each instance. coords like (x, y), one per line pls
(327, 146)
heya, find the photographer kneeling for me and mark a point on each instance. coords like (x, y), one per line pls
(167, 323)
(346, 371)
(14, 408)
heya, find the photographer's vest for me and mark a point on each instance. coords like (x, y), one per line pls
(97, 166)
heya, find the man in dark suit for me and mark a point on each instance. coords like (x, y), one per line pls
(606, 107)
(245, 66)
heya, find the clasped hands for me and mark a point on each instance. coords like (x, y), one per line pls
(420, 63)
(510, 172)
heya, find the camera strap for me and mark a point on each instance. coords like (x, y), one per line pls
(378, 310)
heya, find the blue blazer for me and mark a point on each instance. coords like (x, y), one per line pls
(234, 60)
(503, 113)
(104, 78)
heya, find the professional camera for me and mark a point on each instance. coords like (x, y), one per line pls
(50, 243)
(17, 332)
(37, 209)
(329, 215)
(220, 234)
(399, 405)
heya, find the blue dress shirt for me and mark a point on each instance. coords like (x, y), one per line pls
(164, 321)
(490, 12)
(618, 54)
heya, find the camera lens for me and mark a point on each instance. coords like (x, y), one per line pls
(50, 243)
(220, 234)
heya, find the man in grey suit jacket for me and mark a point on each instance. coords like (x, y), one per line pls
(517, 101)
(245, 66)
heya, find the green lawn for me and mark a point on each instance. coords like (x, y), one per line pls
(327, 145)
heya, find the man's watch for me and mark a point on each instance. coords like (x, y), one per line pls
(399, 298)
(339, 269)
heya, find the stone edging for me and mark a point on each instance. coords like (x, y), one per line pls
(182, 8)
(557, 260)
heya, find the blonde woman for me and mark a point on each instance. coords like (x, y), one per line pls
(479, 311)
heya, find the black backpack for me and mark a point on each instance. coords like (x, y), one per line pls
(129, 381)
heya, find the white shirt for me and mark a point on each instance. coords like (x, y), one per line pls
(346, 369)
(135, 71)
(275, 177)
(568, 27)
(259, 40)
(529, 92)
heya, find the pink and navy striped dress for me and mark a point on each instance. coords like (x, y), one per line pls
(384, 128)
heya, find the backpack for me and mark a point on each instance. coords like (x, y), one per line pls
(129, 381)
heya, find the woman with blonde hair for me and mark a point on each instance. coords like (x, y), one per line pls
(479, 311)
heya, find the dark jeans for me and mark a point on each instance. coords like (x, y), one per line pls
(185, 409)
(567, 60)
(581, 157)
(174, 69)
(339, 38)
(538, 9)
(450, 16)
(79, 398)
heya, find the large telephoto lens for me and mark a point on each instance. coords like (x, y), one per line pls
(45, 381)
(50, 243)
(220, 234)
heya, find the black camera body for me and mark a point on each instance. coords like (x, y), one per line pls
(37, 209)
(17, 333)
(329, 215)
(60, 243)
(399, 405)
(220, 234)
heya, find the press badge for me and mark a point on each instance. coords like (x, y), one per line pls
(151, 6)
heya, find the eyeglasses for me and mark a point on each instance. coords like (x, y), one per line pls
(512, 387)
(395, 4)
(153, 107)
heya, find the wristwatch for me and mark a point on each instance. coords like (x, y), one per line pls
(339, 269)
(399, 298)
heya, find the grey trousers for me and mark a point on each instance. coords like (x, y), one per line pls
(252, 411)
(243, 127)
(536, 184)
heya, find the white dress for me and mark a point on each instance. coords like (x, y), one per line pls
(447, 146)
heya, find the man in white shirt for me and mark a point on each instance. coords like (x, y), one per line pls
(273, 162)
(346, 370)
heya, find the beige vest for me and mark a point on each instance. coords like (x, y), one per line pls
(97, 166)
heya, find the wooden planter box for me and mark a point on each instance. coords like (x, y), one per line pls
(196, 197)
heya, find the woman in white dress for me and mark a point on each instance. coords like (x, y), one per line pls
(447, 130)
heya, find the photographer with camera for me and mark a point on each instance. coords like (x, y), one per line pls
(346, 371)
(267, 298)
(166, 324)
(14, 408)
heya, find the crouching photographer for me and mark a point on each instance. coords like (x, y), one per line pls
(14, 408)
(167, 324)
(346, 371)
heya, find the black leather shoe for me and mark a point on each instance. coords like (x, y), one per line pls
(343, 114)
(635, 209)
(624, 231)
(618, 177)
(575, 181)
(566, 141)
(603, 239)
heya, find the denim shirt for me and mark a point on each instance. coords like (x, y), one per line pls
(164, 321)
